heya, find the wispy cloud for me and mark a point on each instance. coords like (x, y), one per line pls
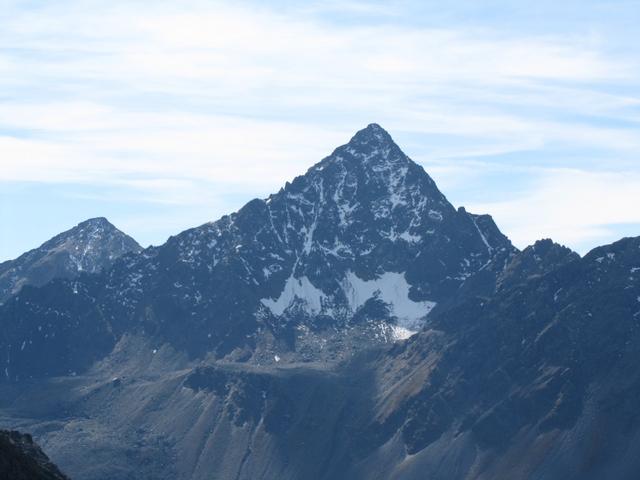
(574, 207)
(170, 99)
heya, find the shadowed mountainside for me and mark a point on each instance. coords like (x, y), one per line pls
(22, 459)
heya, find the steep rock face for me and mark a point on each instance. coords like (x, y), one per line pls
(22, 459)
(355, 252)
(90, 247)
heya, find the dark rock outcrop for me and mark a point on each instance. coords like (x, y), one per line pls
(22, 459)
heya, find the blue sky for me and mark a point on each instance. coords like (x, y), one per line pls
(165, 115)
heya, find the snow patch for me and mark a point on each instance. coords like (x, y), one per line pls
(391, 288)
(296, 288)
(401, 333)
(406, 236)
(396, 200)
(409, 237)
(435, 215)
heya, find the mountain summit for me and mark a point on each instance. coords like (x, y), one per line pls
(372, 142)
(90, 246)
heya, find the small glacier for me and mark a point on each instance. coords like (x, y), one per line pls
(296, 288)
(391, 288)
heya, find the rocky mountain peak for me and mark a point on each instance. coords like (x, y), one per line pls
(90, 246)
(354, 253)
(372, 135)
(371, 149)
(371, 176)
(97, 222)
(97, 229)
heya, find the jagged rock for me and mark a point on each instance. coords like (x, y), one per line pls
(22, 459)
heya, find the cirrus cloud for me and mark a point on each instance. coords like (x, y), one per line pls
(165, 100)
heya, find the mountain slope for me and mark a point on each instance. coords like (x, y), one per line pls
(88, 247)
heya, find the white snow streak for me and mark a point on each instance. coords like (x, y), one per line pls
(484, 239)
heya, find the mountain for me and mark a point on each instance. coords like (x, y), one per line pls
(353, 325)
(355, 252)
(536, 380)
(22, 459)
(88, 247)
